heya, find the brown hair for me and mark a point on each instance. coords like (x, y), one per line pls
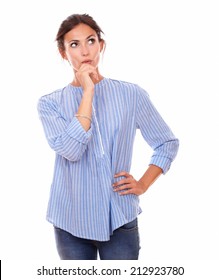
(70, 22)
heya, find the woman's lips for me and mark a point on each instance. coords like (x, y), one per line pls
(87, 61)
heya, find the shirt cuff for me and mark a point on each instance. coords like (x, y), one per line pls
(77, 132)
(162, 162)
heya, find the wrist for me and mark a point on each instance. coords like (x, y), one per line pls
(144, 185)
(88, 93)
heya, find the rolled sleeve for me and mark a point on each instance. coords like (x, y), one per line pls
(77, 132)
(156, 133)
(67, 139)
(165, 155)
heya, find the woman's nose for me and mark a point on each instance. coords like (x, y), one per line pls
(84, 50)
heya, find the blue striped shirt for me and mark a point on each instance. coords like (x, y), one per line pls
(82, 200)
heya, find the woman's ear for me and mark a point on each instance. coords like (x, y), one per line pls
(62, 53)
(102, 45)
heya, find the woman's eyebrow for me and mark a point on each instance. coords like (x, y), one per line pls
(75, 40)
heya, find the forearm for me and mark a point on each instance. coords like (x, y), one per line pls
(150, 176)
(84, 113)
(86, 76)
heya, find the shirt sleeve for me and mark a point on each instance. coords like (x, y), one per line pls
(67, 139)
(156, 132)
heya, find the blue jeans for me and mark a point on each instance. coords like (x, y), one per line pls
(123, 245)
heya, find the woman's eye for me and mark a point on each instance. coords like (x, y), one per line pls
(74, 45)
(91, 41)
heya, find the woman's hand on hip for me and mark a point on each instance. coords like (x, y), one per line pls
(128, 185)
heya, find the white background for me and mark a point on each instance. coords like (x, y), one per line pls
(170, 48)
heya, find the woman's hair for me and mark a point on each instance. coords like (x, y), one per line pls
(73, 20)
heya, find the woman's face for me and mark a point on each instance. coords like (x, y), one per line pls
(82, 46)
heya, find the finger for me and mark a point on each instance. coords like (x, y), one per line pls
(126, 192)
(123, 182)
(122, 187)
(95, 76)
(122, 173)
(132, 190)
(86, 68)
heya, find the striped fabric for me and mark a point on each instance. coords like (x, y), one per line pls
(82, 200)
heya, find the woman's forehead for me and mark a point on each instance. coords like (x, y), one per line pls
(80, 32)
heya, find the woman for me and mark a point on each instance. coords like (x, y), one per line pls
(91, 125)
